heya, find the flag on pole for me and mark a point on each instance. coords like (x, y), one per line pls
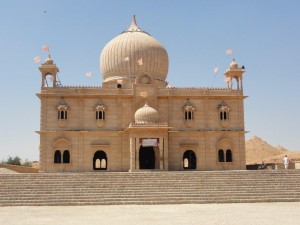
(229, 52)
(140, 61)
(216, 70)
(36, 59)
(45, 48)
(89, 74)
(126, 59)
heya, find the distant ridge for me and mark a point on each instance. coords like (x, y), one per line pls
(258, 150)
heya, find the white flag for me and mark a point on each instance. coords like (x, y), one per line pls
(140, 61)
(89, 74)
(36, 59)
(126, 59)
(45, 48)
(229, 52)
(216, 70)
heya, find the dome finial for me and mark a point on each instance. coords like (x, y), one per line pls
(133, 21)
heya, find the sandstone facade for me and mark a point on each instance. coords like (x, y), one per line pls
(135, 120)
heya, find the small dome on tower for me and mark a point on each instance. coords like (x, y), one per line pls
(146, 114)
(233, 64)
(48, 60)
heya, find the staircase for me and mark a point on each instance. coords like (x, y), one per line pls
(188, 187)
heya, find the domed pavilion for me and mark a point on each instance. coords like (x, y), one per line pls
(135, 121)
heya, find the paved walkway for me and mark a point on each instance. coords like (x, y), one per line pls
(206, 214)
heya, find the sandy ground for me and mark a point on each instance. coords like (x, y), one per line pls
(206, 214)
(4, 170)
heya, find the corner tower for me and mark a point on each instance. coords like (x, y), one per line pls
(48, 68)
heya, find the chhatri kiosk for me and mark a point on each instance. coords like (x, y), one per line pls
(135, 121)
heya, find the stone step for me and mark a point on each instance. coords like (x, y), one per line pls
(149, 188)
(64, 202)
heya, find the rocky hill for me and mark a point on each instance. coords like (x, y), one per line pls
(258, 150)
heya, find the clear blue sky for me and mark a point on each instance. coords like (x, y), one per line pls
(264, 36)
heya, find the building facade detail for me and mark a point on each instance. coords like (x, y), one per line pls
(134, 121)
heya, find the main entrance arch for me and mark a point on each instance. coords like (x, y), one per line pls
(189, 160)
(147, 157)
(100, 161)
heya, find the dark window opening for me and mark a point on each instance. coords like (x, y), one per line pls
(66, 156)
(189, 115)
(100, 115)
(221, 155)
(228, 155)
(57, 157)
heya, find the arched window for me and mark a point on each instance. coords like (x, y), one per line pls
(189, 160)
(100, 111)
(223, 110)
(228, 155)
(66, 156)
(221, 155)
(100, 161)
(57, 157)
(100, 115)
(188, 113)
(62, 112)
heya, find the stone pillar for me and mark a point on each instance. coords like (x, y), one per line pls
(161, 153)
(165, 144)
(132, 154)
(137, 155)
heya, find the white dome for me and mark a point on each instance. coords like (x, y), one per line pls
(233, 64)
(146, 114)
(119, 58)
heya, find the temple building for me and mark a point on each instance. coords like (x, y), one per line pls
(135, 121)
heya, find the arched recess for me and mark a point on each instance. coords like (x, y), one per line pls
(100, 160)
(57, 156)
(63, 145)
(189, 160)
(221, 155)
(224, 150)
(228, 155)
(66, 156)
(49, 80)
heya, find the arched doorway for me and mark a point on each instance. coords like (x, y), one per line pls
(189, 160)
(100, 161)
(147, 157)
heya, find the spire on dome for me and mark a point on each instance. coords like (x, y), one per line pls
(134, 27)
(133, 23)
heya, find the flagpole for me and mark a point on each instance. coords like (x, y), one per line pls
(214, 80)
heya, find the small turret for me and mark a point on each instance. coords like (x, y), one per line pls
(48, 68)
(236, 72)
